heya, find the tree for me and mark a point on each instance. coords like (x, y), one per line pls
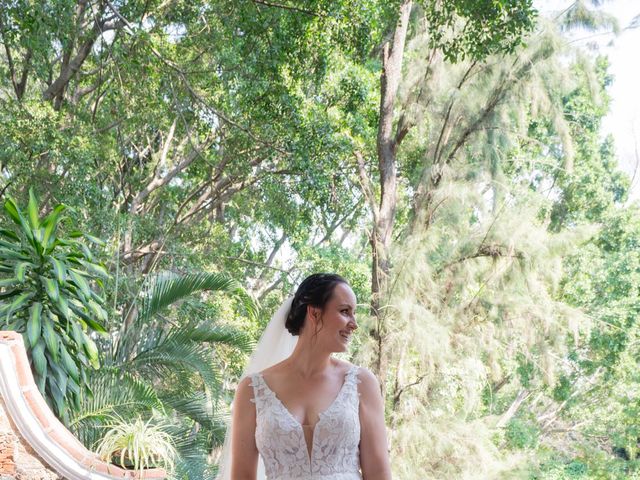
(507, 22)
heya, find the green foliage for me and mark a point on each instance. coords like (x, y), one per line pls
(514, 269)
(139, 444)
(48, 295)
(168, 361)
(521, 434)
(475, 29)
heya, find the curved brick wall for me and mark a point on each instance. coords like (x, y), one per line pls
(35, 435)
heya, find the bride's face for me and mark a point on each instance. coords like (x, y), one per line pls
(338, 319)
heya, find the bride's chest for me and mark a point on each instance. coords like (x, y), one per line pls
(305, 402)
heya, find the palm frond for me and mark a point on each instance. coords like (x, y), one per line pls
(114, 391)
(171, 357)
(167, 289)
(193, 446)
(195, 407)
(219, 334)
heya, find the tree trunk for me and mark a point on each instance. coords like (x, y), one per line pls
(384, 216)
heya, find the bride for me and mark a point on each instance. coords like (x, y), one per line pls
(300, 413)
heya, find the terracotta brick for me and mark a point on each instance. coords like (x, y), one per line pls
(103, 467)
(23, 370)
(8, 336)
(38, 406)
(65, 438)
(7, 465)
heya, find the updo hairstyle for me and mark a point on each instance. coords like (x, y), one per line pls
(315, 290)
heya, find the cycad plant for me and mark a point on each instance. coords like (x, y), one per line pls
(47, 293)
(162, 362)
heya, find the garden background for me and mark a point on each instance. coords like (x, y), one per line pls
(171, 170)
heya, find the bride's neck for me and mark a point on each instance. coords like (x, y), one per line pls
(308, 359)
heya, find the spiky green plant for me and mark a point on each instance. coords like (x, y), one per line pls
(140, 444)
(47, 293)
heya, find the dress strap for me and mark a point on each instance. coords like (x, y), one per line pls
(262, 394)
(352, 380)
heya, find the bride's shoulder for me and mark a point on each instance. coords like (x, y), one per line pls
(274, 369)
(367, 382)
(364, 374)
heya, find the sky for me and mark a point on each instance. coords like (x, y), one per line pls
(623, 120)
(623, 50)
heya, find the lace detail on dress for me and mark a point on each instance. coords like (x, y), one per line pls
(335, 453)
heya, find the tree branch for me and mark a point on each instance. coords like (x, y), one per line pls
(366, 186)
(289, 7)
(71, 67)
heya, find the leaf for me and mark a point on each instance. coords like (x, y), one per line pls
(21, 269)
(51, 287)
(50, 223)
(69, 364)
(86, 252)
(95, 268)
(73, 387)
(166, 290)
(59, 269)
(13, 211)
(58, 397)
(32, 209)
(41, 381)
(95, 240)
(34, 323)
(8, 294)
(97, 298)
(37, 240)
(98, 311)
(13, 254)
(61, 377)
(38, 358)
(80, 282)
(9, 282)
(50, 336)
(96, 326)
(9, 234)
(91, 351)
(10, 245)
(76, 333)
(18, 303)
(63, 307)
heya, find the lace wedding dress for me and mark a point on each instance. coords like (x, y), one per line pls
(334, 446)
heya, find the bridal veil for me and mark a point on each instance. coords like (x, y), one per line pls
(276, 344)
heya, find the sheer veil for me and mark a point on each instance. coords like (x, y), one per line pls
(275, 344)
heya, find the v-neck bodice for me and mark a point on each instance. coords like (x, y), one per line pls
(334, 452)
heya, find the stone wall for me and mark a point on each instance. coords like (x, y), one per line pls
(18, 461)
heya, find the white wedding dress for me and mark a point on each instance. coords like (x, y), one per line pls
(335, 452)
(335, 442)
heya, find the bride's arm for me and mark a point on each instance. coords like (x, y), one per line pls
(374, 455)
(244, 453)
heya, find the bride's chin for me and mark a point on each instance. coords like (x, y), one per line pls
(341, 347)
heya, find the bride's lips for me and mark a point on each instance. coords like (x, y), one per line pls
(345, 335)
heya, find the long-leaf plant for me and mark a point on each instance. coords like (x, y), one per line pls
(48, 293)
